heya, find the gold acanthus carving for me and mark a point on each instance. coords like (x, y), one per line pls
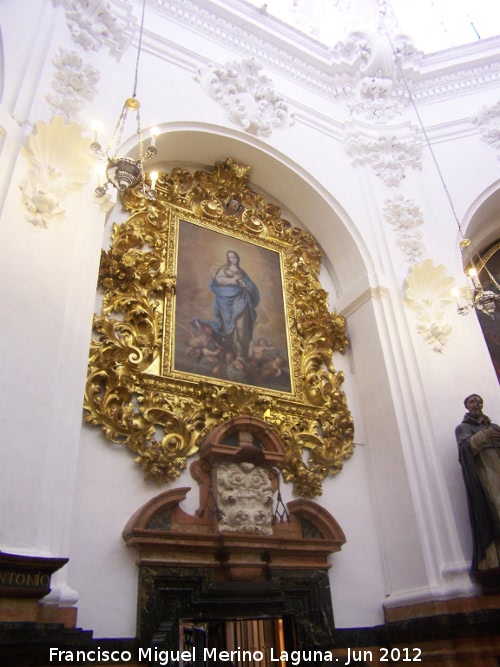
(163, 417)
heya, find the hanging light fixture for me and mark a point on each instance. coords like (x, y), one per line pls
(476, 297)
(126, 172)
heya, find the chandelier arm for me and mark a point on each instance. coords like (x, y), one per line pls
(139, 134)
(487, 271)
(116, 137)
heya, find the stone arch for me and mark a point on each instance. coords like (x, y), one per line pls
(481, 227)
(324, 523)
(281, 180)
(480, 222)
(258, 428)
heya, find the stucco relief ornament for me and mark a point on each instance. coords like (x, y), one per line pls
(488, 120)
(404, 215)
(428, 293)
(73, 84)
(376, 57)
(93, 24)
(244, 499)
(60, 163)
(388, 154)
(248, 97)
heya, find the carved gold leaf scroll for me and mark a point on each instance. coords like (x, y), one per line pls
(163, 417)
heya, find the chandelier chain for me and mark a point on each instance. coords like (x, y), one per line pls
(433, 155)
(116, 137)
(126, 172)
(423, 130)
(139, 49)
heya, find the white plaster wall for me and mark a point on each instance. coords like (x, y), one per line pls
(49, 278)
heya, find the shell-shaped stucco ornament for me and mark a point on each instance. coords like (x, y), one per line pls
(60, 162)
(428, 292)
(61, 150)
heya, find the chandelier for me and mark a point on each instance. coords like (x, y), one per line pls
(126, 172)
(475, 296)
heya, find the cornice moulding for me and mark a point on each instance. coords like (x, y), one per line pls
(317, 121)
(291, 52)
(171, 52)
(457, 81)
(367, 296)
(454, 130)
(192, 62)
(229, 15)
(486, 49)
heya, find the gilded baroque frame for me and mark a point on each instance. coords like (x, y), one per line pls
(141, 401)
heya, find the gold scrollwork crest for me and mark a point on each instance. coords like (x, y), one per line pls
(162, 375)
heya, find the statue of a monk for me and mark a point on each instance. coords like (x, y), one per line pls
(478, 442)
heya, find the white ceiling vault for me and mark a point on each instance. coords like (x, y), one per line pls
(434, 25)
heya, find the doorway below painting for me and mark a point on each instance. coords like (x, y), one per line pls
(248, 642)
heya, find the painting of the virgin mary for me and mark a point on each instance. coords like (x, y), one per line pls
(230, 325)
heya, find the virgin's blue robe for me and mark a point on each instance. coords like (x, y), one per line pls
(231, 301)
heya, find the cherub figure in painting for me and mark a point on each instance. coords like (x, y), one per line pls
(273, 368)
(202, 342)
(236, 371)
(262, 351)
